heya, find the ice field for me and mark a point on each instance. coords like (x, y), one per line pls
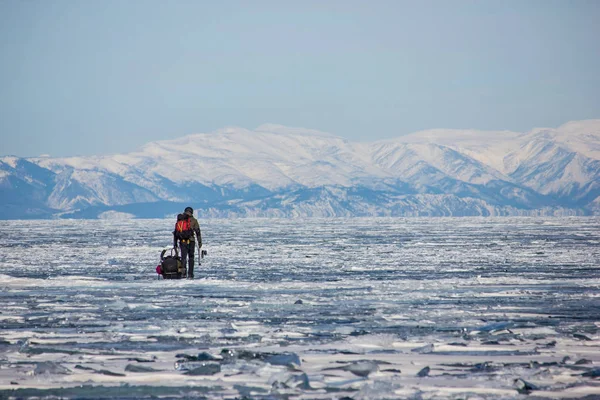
(477, 308)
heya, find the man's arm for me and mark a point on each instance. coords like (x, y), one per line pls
(196, 228)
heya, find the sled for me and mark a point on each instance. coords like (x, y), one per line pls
(170, 266)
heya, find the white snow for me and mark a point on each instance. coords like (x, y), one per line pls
(115, 215)
(275, 156)
(10, 160)
(278, 157)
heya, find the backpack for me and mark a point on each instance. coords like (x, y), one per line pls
(183, 228)
(170, 267)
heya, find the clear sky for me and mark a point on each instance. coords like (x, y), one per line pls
(102, 77)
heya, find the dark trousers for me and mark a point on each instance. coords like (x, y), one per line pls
(187, 254)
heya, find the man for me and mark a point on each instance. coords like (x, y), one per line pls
(185, 228)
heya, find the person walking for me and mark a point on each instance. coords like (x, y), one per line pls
(185, 229)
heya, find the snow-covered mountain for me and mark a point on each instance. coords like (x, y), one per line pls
(281, 171)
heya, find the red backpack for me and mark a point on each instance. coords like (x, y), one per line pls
(183, 228)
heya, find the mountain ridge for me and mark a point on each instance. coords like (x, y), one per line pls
(284, 171)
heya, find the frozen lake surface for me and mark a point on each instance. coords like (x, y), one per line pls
(492, 308)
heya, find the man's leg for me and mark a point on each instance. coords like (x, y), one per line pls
(183, 247)
(191, 249)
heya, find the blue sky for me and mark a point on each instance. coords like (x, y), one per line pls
(102, 77)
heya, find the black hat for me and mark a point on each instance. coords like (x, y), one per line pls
(189, 210)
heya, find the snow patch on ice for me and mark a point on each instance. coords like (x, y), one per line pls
(115, 215)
